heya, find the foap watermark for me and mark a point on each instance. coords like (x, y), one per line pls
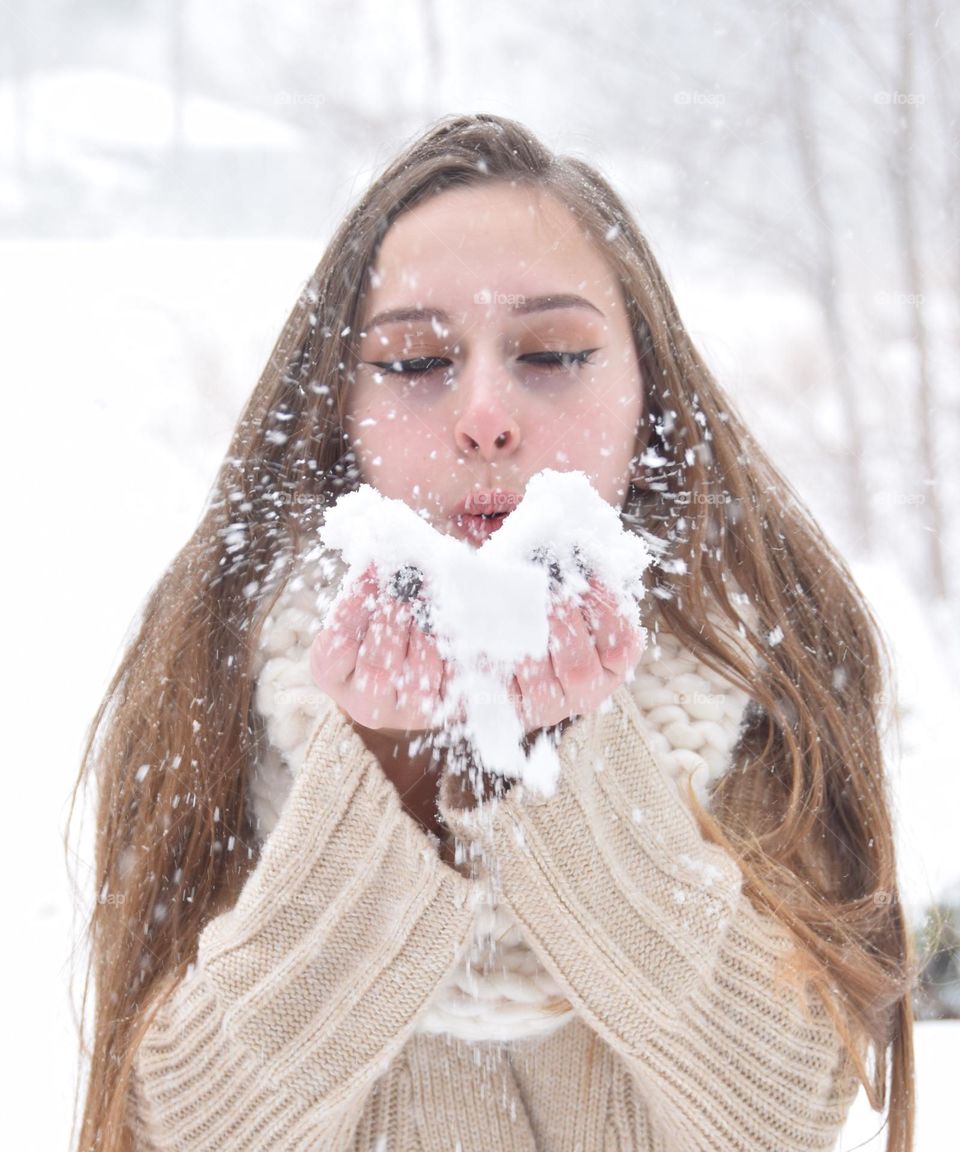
(900, 299)
(286, 499)
(708, 99)
(712, 699)
(307, 902)
(899, 499)
(311, 99)
(480, 502)
(915, 98)
(702, 498)
(510, 299)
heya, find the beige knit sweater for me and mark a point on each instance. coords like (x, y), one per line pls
(692, 714)
(297, 1028)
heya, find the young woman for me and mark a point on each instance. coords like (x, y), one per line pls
(698, 946)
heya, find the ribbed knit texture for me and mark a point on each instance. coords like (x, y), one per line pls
(500, 990)
(306, 991)
(297, 1028)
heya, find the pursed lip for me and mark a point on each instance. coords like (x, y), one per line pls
(480, 514)
(487, 502)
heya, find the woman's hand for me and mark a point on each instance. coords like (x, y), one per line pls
(375, 662)
(590, 650)
(379, 667)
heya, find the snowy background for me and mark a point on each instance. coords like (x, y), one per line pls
(169, 176)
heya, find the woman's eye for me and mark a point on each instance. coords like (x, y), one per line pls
(415, 367)
(559, 359)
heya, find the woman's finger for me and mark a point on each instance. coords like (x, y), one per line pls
(420, 681)
(384, 647)
(333, 654)
(575, 660)
(618, 643)
(541, 692)
(380, 659)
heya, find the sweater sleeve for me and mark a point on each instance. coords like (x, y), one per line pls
(644, 925)
(307, 988)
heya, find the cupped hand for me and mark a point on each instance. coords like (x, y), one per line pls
(591, 650)
(377, 664)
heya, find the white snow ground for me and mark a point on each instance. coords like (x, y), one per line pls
(126, 364)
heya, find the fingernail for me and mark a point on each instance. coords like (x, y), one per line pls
(545, 559)
(406, 582)
(582, 567)
(421, 614)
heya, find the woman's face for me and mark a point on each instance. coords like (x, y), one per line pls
(494, 344)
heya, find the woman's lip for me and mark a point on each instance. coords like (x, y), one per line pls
(478, 502)
(476, 529)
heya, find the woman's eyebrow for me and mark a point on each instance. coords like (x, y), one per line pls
(521, 306)
(528, 304)
(401, 315)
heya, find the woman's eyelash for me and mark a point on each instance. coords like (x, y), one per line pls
(559, 359)
(415, 367)
(420, 365)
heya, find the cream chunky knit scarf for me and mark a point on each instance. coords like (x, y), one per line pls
(499, 991)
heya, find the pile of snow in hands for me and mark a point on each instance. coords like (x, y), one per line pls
(488, 608)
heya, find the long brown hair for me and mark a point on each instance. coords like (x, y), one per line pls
(804, 808)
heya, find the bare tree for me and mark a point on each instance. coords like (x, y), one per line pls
(433, 61)
(177, 62)
(826, 271)
(903, 178)
(942, 37)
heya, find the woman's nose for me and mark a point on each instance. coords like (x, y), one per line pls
(486, 423)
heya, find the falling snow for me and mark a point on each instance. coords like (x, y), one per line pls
(489, 606)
